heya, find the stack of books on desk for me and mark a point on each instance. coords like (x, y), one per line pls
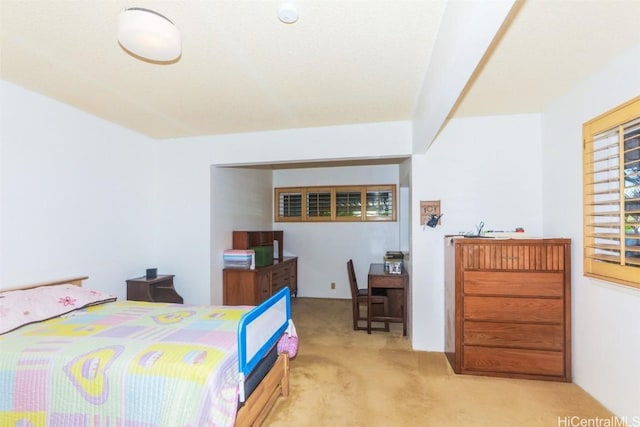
(393, 262)
(239, 258)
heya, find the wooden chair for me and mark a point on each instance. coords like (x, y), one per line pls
(360, 296)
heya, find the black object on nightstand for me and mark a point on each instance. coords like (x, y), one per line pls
(159, 289)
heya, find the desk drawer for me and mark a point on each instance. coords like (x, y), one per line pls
(389, 281)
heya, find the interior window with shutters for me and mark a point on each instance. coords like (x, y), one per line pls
(612, 195)
(319, 204)
(349, 204)
(289, 204)
(379, 203)
(335, 203)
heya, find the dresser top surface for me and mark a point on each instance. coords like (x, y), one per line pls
(462, 240)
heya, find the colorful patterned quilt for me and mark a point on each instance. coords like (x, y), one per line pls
(128, 363)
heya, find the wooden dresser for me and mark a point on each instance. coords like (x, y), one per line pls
(251, 287)
(508, 307)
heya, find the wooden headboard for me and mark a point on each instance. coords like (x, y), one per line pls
(73, 280)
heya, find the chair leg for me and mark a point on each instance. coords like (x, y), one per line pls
(356, 313)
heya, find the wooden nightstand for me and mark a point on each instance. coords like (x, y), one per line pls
(159, 289)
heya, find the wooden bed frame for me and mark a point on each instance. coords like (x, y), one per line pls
(73, 280)
(258, 404)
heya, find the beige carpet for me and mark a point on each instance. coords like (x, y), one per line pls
(343, 377)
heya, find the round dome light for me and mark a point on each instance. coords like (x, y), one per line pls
(149, 35)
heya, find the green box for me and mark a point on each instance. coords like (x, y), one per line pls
(264, 255)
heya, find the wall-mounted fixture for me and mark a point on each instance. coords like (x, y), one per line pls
(433, 221)
(288, 12)
(430, 213)
(149, 35)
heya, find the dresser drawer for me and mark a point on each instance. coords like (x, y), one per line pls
(513, 283)
(513, 361)
(507, 309)
(280, 275)
(513, 255)
(516, 335)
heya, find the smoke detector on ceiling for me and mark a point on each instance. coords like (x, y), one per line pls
(288, 12)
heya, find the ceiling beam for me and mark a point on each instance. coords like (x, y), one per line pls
(468, 30)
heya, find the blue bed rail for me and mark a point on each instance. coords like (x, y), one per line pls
(278, 301)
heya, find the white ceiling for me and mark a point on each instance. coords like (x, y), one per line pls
(343, 62)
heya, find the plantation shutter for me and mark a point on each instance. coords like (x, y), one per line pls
(612, 195)
(349, 203)
(380, 204)
(289, 204)
(319, 203)
(335, 203)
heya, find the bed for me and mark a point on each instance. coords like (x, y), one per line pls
(78, 357)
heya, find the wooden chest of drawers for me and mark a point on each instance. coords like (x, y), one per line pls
(251, 287)
(508, 307)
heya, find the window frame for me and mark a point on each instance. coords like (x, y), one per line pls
(596, 263)
(335, 191)
(288, 191)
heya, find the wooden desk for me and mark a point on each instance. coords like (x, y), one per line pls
(378, 278)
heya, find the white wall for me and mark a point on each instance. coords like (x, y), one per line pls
(606, 336)
(481, 169)
(241, 199)
(324, 248)
(76, 195)
(184, 212)
(404, 222)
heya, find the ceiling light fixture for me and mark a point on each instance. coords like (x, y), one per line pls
(288, 12)
(149, 35)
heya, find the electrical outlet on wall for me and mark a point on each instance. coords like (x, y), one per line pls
(333, 285)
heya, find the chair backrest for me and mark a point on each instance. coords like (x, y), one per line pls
(352, 279)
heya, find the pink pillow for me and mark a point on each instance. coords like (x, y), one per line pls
(22, 307)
